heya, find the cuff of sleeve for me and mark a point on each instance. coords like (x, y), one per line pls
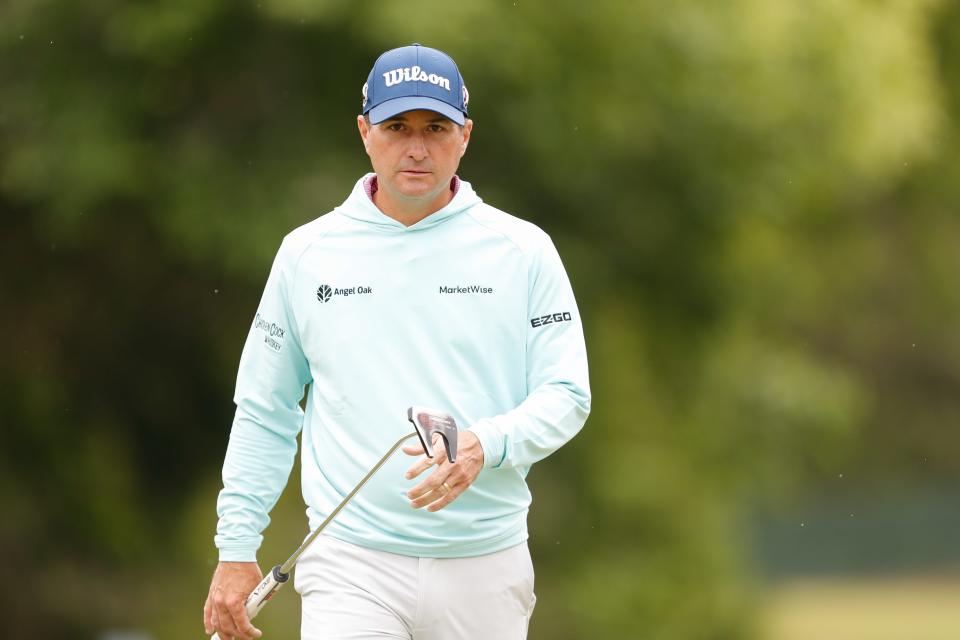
(491, 441)
(238, 555)
(237, 550)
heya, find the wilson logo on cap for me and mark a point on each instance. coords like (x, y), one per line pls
(414, 74)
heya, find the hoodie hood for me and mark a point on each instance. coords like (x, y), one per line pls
(358, 206)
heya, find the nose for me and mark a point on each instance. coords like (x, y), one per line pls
(417, 147)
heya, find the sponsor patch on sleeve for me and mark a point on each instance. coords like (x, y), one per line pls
(272, 332)
(550, 318)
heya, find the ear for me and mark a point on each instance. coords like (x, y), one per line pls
(467, 128)
(364, 132)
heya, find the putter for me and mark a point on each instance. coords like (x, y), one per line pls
(426, 423)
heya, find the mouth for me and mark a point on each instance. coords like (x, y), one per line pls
(415, 172)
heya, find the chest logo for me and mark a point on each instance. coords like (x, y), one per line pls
(325, 292)
(466, 288)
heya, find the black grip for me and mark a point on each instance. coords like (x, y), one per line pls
(279, 576)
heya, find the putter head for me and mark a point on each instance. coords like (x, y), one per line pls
(430, 421)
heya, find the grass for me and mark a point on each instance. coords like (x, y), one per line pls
(899, 608)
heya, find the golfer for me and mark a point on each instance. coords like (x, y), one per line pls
(411, 292)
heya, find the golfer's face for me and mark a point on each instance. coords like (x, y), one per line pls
(416, 153)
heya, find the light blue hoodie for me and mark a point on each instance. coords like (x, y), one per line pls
(468, 311)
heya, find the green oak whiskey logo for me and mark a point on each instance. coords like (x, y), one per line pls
(272, 332)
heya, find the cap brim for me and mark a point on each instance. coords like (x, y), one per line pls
(390, 108)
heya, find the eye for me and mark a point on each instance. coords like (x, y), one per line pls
(435, 128)
(395, 126)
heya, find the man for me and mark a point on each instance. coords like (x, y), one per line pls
(412, 292)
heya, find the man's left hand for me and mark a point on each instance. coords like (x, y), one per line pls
(448, 480)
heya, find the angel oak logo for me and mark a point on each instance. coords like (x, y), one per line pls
(325, 292)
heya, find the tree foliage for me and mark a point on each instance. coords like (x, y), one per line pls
(756, 202)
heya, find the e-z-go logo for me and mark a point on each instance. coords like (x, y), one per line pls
(325, 292)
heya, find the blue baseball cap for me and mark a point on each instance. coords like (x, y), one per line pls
(414, 77)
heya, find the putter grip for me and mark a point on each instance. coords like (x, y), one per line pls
(258, 597)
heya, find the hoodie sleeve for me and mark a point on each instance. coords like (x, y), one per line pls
(558, 399)
(263, 440)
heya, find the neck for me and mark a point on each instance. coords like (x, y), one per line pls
(408, 211)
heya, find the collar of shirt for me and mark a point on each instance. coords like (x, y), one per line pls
(370, 185)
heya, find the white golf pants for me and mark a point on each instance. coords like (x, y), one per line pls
(355, 593)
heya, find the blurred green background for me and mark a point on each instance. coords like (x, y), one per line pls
(758, 202)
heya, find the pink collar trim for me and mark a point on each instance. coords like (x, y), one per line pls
(370, 185)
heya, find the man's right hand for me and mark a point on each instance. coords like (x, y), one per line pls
(224, 610)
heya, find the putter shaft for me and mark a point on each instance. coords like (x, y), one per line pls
(287, 566)
(426, 423)
(280, 574)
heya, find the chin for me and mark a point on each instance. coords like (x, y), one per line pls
(419, 194)
(419, 189)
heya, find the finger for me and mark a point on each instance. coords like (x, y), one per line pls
(242, 623)
(207, 618)
(428, 498)
(443, 502)
(225, 625)
(421, 465)
(432, 489)
(446, 499)
(249, 631)
(424, 463)
(431, 483)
